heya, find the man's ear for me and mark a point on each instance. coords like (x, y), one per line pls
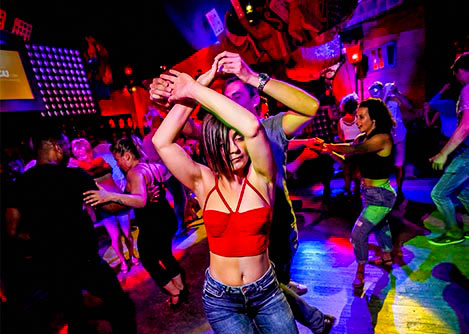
(256, 100)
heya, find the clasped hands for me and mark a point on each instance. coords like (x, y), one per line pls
(167, 88)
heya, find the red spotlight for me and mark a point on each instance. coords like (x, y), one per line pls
(134, 89)
(354, 53)
(128, 70)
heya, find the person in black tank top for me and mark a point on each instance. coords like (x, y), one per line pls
(374, 153)
(154, 216)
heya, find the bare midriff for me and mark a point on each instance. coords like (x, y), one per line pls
(238, 271)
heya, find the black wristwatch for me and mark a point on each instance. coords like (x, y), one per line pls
(263, 80)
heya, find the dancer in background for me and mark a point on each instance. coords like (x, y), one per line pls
(241, 293)
(374, 154)
(154, 217)
(348, 130)
(455, 180)
(117, 225)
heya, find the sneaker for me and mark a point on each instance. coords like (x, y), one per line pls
(329, 321)
(445, 239)
(299, 289)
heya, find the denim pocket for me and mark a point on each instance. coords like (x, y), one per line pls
(211, 290)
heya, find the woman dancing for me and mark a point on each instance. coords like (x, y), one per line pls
(241, 293)
(116, 224)
(374, 154)
(153, 215)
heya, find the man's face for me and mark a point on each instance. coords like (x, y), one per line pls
(65, 150)
(239, 93)
(462, 76)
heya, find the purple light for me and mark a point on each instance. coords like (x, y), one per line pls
(67, 112)
(75, 65)
(39, 62)
(81, 66)
(42, 114)
(57, 78)
(89, 92)
(69, 98)
(50, 56)
(60, 50)
(36, 54)
(83, 73)
(48, 70)
(56, 113)
(33, 61)
(66, 51)
(61, 92)
(62, 77)
(59, 63)
(30, 54)
(92, 104)
(47, 106)
(41, 70)
(42, 91)
(81, 86)
(60, 85)
(47, 49)
(62, 58)
(57, 98)
(75, 99)
(43, 55)
(34, 47)
(35, 69)
(49, 92)
(46, 63)
(28, 46)
(74, 59)
(68, 58)
(61, 112)
(63, 99)
(61, 71)
(38, 77)
(76, 85)
(87, 104)
(53, 106)
(44, 99)
(77, 52)
(53, 69)
(50, 78)
(41, 48)
(54, 50)
(59, 105)
(47, 85)
(51, 99)
(56, 57)
(72, 71)
(67, 71)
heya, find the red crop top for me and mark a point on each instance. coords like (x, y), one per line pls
(237, 234)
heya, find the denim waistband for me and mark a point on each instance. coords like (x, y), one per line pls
(267, 279)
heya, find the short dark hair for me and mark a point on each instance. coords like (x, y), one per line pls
(252, 90)
(349, 103)
(216, 146)
(46, 136)
(462, 62)
(379, 112)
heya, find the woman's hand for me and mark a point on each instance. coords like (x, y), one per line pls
(97, 197)
(154, 193)
(232, 63)
(160, 92)
(181, 85)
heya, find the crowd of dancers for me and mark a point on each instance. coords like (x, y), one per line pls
(240, 185)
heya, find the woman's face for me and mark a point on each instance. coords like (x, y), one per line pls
(364, 122)
(82, 154)
(238, 153)
(124, 161)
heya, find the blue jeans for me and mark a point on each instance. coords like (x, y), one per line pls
(453, 183)
(259, 307)
(377, 203)
(305, 314)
